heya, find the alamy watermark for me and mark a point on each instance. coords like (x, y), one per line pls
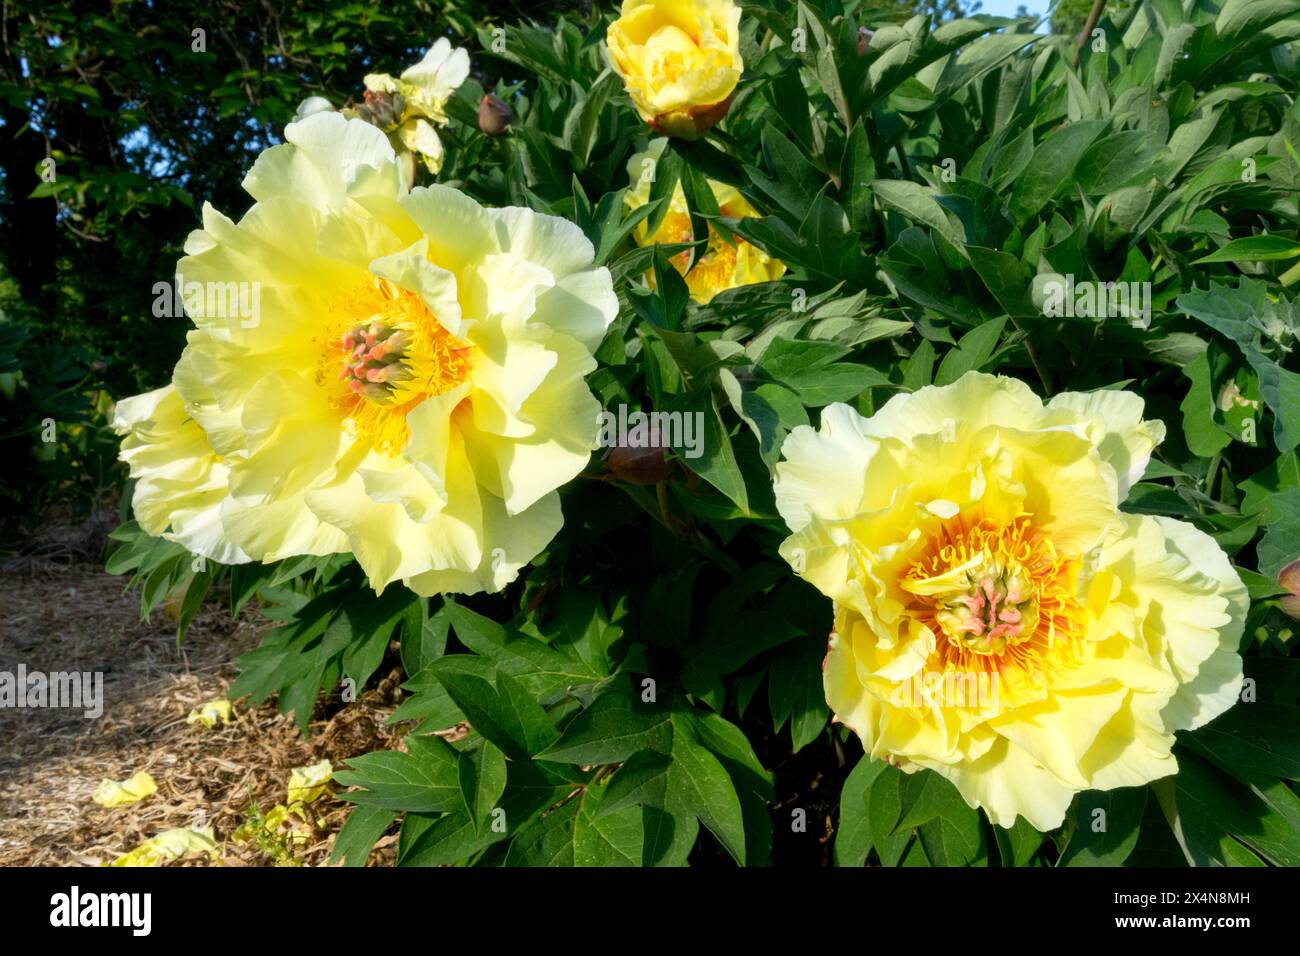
(61, 689)
(680, 431)
(212, 300)
(977, 690)
(1063, 297)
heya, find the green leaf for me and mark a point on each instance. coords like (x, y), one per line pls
(853, 835)
(955, 837)
(426, 779)
(548, 841)
(196, 590)
(611, 730)
(498, 706)
(538, 666)
(973, 350)
(452, 838)
(884, 807)
(795, 692)
(580, 125)
(1204, 437)
(1051, 168)
(699, 783)
(1003, 276)
(1261, 248)
(1281, 542)
(1106, 826)
(641, 781)
(1215, 819)
(1018, 844)
(1253, 741)
(359, 833)
(606, 838)
(482, 777)
(717, 464)
(918, 204)
(923, 797)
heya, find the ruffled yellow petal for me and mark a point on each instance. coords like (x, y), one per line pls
(171, 845)
(112, 793)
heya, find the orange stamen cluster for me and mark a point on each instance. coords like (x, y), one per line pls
(387, 354)
(1016, 601)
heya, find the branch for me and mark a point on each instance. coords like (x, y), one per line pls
(1093, 16)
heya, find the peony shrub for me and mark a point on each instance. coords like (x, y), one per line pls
(894, 419)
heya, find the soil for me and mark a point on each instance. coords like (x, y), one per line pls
(68, 615)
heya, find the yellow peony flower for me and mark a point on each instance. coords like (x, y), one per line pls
(411, 387)
(410, 107)
(679, 60)
(179, 480)
(998, 619)
(723, 266)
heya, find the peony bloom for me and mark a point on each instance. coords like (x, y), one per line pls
(998, 619)
(723, 266)
(410, 107)
(679, 60)
(411, 387)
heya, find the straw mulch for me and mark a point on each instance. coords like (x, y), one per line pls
(61, 616)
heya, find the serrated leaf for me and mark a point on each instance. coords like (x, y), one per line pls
(424, 780)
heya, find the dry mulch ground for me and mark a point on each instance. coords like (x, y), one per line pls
(61, 616)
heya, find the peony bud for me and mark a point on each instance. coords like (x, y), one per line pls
(494, 115)
(679, 61)
(692, 123)
(1289, 578)
(637, 466)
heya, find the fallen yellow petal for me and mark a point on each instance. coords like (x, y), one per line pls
(170, 845)
(307, 784)
(208, 714)
(111, 793)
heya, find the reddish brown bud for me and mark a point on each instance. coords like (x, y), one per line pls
(494, 116)
(637, 466)
(1289, 578)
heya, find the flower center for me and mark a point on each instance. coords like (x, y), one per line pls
(386, 354)
(993, 595)
(991, 607)
(374, 360)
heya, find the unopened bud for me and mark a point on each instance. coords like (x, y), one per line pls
(691, 123)
(494, 115)
(1289, 578)
(637, 466)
